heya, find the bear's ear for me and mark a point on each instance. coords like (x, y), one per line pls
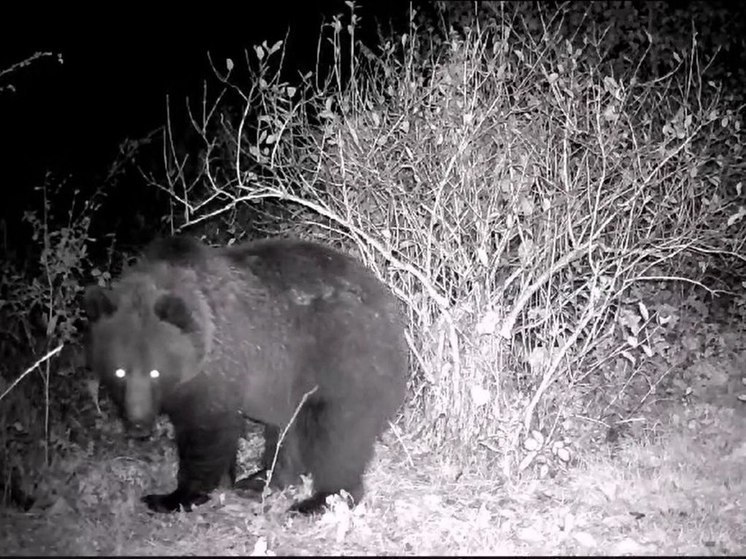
(98, 302)
(173, 309)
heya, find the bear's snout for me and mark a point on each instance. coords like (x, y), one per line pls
(140, 407)
(139, 429)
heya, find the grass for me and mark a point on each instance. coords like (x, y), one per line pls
(677, 489)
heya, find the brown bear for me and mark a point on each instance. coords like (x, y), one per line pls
(211, 336)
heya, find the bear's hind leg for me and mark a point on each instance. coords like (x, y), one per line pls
(338, 451)
(288, 467)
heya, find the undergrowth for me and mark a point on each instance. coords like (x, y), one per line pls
(561, 220)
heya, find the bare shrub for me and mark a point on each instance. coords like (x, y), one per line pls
(514, 192)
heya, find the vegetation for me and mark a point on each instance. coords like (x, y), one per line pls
(554, 193)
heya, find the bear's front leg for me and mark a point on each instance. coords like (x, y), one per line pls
(207, 453)
(177, 500)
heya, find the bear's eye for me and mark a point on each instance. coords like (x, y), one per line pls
(155, 373)
(120, 373)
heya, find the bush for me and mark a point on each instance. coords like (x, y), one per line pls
(45, 410)
(527, 196)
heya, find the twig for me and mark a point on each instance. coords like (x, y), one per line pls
(507, 326)
(282, 438)
(25, 62)
(49, 355)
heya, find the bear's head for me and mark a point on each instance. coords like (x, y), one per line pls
(141, 345)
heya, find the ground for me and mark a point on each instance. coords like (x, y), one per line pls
(677, 491)
(673, 483)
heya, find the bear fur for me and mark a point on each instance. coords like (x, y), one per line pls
(211, 336)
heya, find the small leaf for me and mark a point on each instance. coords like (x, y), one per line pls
(482, 257)
(736, 217)
(611, 85)
(52, 325)
(585, 539)
(530, 535)
(488, 323)
(538, 358)
(479, 395)
(644, 311)
(627, 355)
(274, 48)
(538, 436)
(663, 319)
(261, 549)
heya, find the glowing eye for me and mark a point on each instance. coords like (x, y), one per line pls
(154, 373)
(120, 373)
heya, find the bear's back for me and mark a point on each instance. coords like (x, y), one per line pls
(182, 250)
(301, 276)
(279, 261)
(305, 267)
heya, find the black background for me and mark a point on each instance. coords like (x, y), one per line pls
(119, 61)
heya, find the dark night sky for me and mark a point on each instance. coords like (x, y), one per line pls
(118, 68)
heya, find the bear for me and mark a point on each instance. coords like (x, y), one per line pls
(268, 330)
